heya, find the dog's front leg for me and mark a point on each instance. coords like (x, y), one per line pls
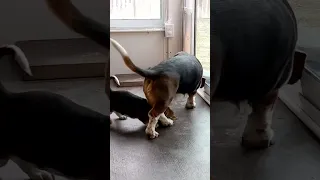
(32, 171)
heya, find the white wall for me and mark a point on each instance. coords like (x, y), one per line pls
(147, 49)
(31, 19)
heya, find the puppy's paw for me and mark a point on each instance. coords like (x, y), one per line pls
(152, 133)
(41, 175)
(122, 117)
(190, 105)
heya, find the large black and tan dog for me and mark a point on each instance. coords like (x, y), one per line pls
(253, 56)
(42, 130)
(180, 74)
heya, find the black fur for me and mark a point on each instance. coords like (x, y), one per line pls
(131, 105)
(186, 68)
(254, 44)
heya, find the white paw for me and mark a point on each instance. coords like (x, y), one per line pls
(167, 122)
(41, 175)
(190, 105)
(151, 133)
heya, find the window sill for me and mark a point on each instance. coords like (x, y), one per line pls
(126, 30)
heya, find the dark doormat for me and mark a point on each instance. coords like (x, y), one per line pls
(128, 80)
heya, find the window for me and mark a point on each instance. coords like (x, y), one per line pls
(202, 38)
(133, 14)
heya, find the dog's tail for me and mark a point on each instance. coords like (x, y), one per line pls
(142, 72)
(19, 56)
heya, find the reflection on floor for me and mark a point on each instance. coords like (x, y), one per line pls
(295, 156)
(180, 152)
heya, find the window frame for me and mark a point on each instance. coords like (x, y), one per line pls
(125, 24)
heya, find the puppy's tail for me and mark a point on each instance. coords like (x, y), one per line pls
(19, 56)
(148, 73)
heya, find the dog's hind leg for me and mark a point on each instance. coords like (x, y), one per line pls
(191, 102)
(32, 171)
(258, 132)
(151, 126)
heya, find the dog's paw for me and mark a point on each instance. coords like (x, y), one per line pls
(41, 175)
(152, 134)
(122, 117)
(166, 122)
(190, 105)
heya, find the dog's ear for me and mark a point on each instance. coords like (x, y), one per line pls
(203, 82)
(298, 66)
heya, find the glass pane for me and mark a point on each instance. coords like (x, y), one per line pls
(135, 9)
(202, 35)
(202, 38)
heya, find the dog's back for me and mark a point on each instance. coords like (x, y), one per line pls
(126, 103)
(187, 68)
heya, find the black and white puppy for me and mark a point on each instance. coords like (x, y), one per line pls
(43, 130)
(125, 103)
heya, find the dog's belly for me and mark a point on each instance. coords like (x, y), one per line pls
(256, 41)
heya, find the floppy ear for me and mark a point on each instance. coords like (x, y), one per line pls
(298, 66)
(203, 81)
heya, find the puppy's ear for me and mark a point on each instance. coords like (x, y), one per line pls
(298, 66)
(203, 82)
